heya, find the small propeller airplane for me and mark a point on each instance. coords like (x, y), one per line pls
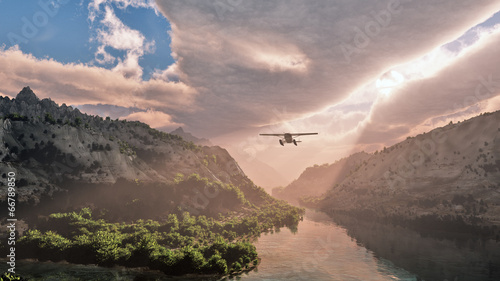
(288, 137)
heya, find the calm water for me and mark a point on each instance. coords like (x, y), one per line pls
(322, 250)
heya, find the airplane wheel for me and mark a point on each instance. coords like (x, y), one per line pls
(295, 142)
(281, 142)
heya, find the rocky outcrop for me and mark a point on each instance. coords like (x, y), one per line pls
(53, 148)
(189, 137)
(450, 173)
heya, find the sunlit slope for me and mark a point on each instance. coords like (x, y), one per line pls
(316, 180)
(55, 149)
(451, 172)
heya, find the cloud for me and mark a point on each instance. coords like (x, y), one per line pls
(94, 6)
(251, 57)
(155, 119)
(472, 79)
(103, 57)
(319, 60)
(115, 34)
(169, 74)
(105, 110)
(240, 64)
(83, 84)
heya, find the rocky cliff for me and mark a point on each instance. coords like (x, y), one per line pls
(449, 174)
(52, 148)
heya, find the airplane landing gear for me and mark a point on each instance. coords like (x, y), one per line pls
(295, 142)
(281, 142)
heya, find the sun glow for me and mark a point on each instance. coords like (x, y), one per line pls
(388, 82)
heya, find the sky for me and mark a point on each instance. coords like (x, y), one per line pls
(362, 74)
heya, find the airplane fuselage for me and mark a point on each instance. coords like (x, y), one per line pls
(287, 137)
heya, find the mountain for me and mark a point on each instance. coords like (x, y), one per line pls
(58, 151)
(450, 175)
(189, 137)
(316, 180)
(90, 190)
(261, 173)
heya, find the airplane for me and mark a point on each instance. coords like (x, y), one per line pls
(288, 137)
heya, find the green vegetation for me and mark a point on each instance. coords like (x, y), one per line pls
(126, 149)
(78, 121)
(49, 119)
(171, 137)
(213, 238)
(180, 244)
(11, 277)
(16, 117)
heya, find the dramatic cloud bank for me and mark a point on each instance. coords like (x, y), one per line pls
(471, 79)
(363, 74)
(83, 84)
(253, 57)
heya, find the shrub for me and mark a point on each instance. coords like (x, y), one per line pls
(49, 119)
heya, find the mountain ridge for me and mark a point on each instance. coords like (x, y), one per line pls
(319, 176)
(450, 173)
(190, 137)
(46, 144)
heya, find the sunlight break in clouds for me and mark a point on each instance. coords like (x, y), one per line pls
(386, 83)
(239, 93)
(472, 79)
(231, 59)
(237, 68)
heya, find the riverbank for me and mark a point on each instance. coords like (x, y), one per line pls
(179, 245)
(317, 250)
(430, 223)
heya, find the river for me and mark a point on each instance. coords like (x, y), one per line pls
(320, 250)
(324, 250)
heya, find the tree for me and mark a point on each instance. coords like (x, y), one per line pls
(216, 264)
(78, 121)
(49, 118)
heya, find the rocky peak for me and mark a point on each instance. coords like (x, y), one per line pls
(189, 137)
(177, 131)
(27, 96)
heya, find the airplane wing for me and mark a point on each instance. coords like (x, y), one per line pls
(303, 134)
(274, 135)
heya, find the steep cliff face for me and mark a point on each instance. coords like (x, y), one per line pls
(52, 147)
(451, 172)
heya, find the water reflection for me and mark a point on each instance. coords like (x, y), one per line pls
(320, 250)
(323, 248)
(432, 257)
